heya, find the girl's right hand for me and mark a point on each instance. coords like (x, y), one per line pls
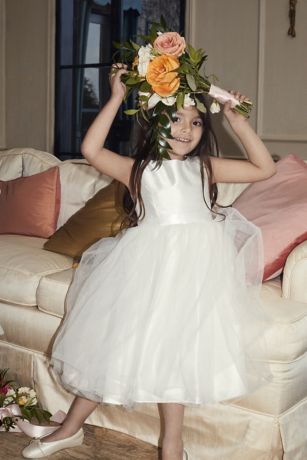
(118, 88)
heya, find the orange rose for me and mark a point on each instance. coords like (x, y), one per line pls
(161, 76)
(170, 43)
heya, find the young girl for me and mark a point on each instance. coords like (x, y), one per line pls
(168, 310)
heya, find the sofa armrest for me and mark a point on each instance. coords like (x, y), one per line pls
(294, 285)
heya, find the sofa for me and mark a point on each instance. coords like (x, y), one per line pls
(268, 424)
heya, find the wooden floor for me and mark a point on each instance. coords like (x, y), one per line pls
(99, 443)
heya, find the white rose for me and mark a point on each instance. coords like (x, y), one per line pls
(168, 100)
(11, 392)
(155, 98)
(144, 93)
(144, 55)
(188, 101)
(9, 397)
(215, 107)
(24, 390)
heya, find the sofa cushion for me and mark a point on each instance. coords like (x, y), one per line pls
(80, 182)
(30, 205)
(27, 327)
(228, 192)
(23, 263)
(52, 290)
(289, 324)
(99, 218)
(10, 166)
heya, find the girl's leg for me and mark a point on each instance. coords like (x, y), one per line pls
(172, 444)
(78, 412)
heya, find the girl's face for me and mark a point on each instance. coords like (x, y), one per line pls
(187, 130)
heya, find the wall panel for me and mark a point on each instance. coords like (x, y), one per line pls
(249, 50)
(2, 75)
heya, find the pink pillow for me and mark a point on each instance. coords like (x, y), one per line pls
(30, 205)
(278, 206)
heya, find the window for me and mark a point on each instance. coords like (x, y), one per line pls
(85, 32)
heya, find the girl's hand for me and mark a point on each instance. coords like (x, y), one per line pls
(118, 88)
(234, 118)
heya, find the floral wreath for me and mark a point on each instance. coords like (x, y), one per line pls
(165, 71)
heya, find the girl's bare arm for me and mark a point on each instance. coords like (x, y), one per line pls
(105, 161)
(259, 165)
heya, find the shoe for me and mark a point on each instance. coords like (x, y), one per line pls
(185, 455)
(38, 449)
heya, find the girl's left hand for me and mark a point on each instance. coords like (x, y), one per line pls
(232, 116)
(118, 88)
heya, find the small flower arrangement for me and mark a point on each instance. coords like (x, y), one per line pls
(18, 402)
(166, 72)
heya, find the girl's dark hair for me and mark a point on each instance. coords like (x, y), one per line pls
(207, 147)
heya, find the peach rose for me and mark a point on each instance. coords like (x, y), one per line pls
(161, 76)
(170, 43)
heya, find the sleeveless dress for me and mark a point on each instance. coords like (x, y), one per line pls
(167, 311)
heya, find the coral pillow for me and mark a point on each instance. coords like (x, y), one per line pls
(100, 217)
(278, 206)
(30, 205)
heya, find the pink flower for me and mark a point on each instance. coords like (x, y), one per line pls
(170, 43)
(4, 389)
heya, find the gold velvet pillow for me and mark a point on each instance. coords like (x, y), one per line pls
(100, 217)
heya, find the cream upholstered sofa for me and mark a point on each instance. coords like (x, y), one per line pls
(269, 424)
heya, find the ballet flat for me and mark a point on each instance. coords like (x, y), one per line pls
(185, 455)
(38, 449)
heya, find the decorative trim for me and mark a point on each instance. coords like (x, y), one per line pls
(190, 20)
(2, 75)
(282, 137)
(261, 58)
(50, 77)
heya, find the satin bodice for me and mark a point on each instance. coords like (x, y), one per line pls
(172, 194)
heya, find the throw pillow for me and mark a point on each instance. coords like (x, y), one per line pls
(100, 217)
(30, 205)
(278, 206)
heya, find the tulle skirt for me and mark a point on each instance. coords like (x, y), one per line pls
(166, 313)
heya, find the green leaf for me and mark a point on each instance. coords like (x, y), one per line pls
(165, 133)
(145, 87)
(163, 23)
(159, 108)
(135, 45)
(200, 106)
(37, 414)
(132, 81)
(191, 82)
(143, 98)
(162, 142)
(180, 100)
(164, 121)
(184, 68)
(26, 413)
(173, 115)
(143, 114)
(131, 111)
